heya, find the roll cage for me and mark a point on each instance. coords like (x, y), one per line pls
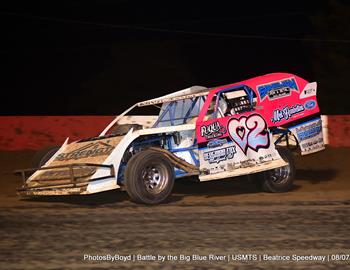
(179, 112)
(222, 105)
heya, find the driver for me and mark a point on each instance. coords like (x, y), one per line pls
(223, 107)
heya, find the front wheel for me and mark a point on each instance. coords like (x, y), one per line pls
(43, 156)
(149, 177)
(279, 179)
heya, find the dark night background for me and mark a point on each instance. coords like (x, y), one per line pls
(100, 57)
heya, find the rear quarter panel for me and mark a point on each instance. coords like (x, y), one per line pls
(281, 98)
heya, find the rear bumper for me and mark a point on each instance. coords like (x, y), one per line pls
(64, 181)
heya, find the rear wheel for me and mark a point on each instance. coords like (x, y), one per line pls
(279, 179)
(149, 177)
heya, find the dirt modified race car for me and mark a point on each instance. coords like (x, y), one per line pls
(246, 128)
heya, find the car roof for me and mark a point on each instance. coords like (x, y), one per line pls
(193, 91)
(196, 91)
(252, 82)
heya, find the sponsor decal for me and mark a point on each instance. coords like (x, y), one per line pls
(313, 144)
(309, 90)
(219, 155)
(286, 113)
(309, 131)
(310, 104)
(170, 99)
(277, 89)
(89, 150)
(213, 130)
(249, 132)
(216, 143)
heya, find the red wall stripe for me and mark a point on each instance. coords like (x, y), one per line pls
(339, 130)
(35, 132)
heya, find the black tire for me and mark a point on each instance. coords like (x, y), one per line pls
(43, 155)
(280, 179)
(149, 177)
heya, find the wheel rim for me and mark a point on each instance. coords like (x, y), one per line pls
(155, 178)
(279, 175)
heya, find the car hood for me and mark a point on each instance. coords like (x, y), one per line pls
(80, 154)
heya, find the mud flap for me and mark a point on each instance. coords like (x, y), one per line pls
(309, 136)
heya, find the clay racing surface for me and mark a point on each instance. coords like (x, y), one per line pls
(225, 217)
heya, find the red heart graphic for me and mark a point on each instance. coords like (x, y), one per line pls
(240, 132)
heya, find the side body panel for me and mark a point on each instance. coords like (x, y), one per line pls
(235, 145)
(242, 143)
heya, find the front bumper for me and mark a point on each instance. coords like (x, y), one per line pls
(70, 179)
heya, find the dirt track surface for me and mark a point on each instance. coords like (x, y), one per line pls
(226, 217)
